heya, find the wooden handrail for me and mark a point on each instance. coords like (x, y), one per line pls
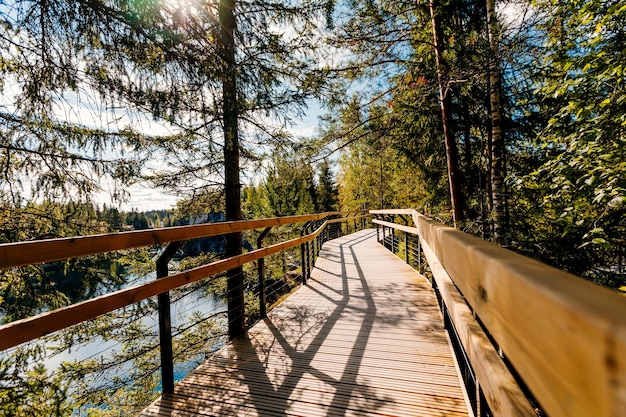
(39, 251)
(20, 331)
(564, 336)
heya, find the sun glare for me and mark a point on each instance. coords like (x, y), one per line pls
(183, 11)
(190, 7)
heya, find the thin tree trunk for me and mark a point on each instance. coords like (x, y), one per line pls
(498, 170)
(467, 142)
(234, 277)
(452, 154)
(382, 192)
(489, 167)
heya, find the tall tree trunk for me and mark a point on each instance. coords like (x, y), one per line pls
(234, 277)
(487, 222)
(498, 170)
(467, 142)
(452, 153)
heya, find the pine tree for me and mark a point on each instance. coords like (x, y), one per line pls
(289, 186)
(326, 190)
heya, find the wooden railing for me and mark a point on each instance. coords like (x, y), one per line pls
(314, 230)
(523, 325)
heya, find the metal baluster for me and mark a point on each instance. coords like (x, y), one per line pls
(419, 255)
(302, 257)
(406, 247)
(261, 273)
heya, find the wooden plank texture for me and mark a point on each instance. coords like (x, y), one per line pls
(502, 392)
(365, 337)
(565, 336)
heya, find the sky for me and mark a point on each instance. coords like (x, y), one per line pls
(144, 198)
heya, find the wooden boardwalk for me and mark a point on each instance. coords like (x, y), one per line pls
(363, 338)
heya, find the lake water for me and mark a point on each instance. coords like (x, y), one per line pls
(181, 311)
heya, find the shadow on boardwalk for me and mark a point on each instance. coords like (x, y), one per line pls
(363, 338)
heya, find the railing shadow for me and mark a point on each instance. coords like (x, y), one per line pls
(291, 356)
(302, 354)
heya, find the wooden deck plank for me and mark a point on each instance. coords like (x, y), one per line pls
(386, 382)
(363, 338)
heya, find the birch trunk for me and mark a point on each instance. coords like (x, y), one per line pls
(498, 169)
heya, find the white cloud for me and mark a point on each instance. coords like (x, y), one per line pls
(142, 198)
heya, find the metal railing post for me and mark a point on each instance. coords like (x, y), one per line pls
(165, 321)
(406, 247)
(419, 255)
(261, 273)
(303, 258)
(393, 235)
(306, 253)
(384, 237)
(321, 239)
(309, 255)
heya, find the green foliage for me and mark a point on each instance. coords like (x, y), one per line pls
(254, 203)
(289, 188)
(373, 178)
(564, 105)
(29, 290)
(102, 384)
(563, 109)
(139, 221)
(31, 392)
(581, 181)
(392, 45)
(151, 58)
(326, 191)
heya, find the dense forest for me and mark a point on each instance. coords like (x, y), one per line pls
(506, 119)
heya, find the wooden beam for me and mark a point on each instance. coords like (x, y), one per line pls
(502, 392)
(565, 336)
(27, 253)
